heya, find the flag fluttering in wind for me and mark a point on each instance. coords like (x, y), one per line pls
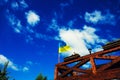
(63, 47)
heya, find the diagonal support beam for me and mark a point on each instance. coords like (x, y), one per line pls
(93, 65)
(74, 69)
(82, 71)
(109, 64)
(76, 66)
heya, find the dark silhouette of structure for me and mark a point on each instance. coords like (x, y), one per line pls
(107, 71)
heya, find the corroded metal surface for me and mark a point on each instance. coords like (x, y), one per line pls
(111, 45)
(108, 71)
(71, 57)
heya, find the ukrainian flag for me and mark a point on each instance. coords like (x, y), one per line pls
(63, 47)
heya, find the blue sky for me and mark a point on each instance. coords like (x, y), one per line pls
(30, 31)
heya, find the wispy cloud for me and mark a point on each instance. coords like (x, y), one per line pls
(109, 18)
(11, 65)
(70, 23)
(97, 17)
(29, 39)
(15, 22)
(81, 40)
(23, 4)
(64, 5)
(25, 69)
(15, 5)
(53, 26)
(93, 17)
(42, 36)
(32, 18)
(19, 5)
(27, 30)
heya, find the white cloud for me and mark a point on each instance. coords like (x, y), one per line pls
(29, 38)
(80, 40)
(29, 29)
(97, 17)
(70, 23)
(109, 18)
(25, 69)
(11, 65)
(14, 5)
(11, 19)
(18, 27)
(32, 18)
(53, 26)
(15, 22)
(42, 36)
(93, 17)
(23, 4)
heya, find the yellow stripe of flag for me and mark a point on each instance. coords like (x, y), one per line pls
(64, 49)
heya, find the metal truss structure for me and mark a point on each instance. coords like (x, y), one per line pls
(107, 71)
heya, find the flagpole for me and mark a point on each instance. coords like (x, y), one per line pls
(58, 57)
(59, 53)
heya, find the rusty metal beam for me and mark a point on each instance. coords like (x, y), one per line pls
(103, 70)
(63, 67)
(109, 64)
(107, 51)
(74, 69)
(105, 75)
(93, 65)
(56, 73)
(106, 57)
(82, 71)
(81, 63)
(108, 74)
(76, 66)
(93, 55)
